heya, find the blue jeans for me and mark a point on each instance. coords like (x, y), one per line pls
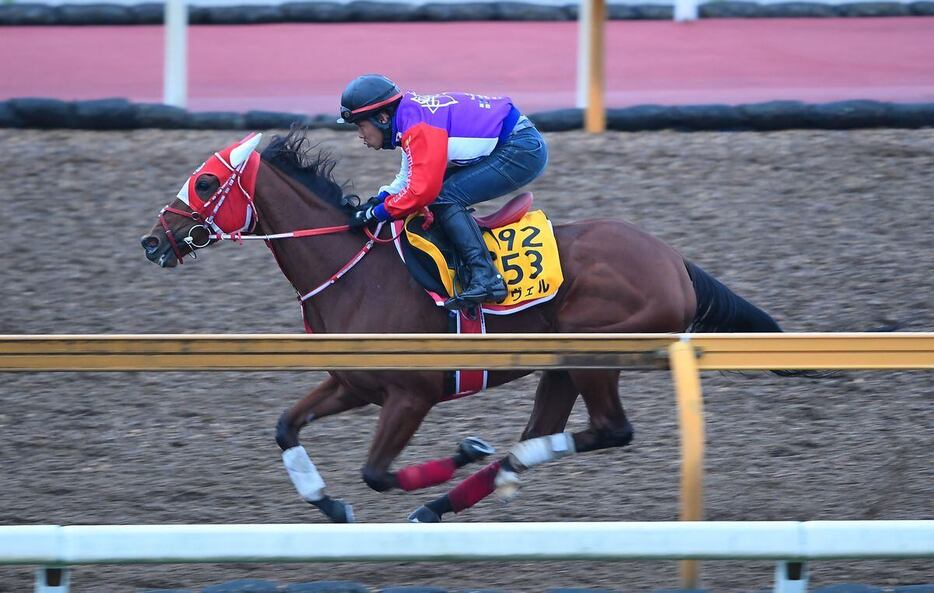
(512, 164)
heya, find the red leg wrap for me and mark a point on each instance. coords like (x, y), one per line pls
(475, 488)
(430, 473)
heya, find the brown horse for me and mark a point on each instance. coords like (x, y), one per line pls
(617, 278)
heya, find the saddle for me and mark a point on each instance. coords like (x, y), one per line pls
(521, 244)
(512, 211)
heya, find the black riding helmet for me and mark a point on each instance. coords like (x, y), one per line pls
(366, 96)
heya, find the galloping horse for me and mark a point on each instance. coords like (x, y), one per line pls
(617, 278)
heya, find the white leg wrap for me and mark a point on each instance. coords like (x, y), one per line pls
(305, 476)
(539, 450)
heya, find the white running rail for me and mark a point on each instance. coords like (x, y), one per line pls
(791, 543)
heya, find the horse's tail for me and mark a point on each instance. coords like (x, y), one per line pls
(719, 309)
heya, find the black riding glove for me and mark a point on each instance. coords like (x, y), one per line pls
(361, 217)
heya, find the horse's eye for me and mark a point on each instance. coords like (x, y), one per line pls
(203, 185)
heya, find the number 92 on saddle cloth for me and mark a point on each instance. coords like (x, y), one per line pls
(525, 253)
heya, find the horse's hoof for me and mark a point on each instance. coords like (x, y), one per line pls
(507, 485)
(475, 448)
(337, 511)
(424, 515)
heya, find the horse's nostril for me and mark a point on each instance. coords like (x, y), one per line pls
(150, 243)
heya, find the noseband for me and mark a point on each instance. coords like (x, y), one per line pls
(189, 240)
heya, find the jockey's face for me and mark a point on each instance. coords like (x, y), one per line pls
(370, 134)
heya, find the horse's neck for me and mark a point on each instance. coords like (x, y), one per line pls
(358, 299)
(284, 205)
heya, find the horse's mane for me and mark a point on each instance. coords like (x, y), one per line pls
(303, 161)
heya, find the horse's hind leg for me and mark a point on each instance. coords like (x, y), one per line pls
(327, 399)
(608, 427)
(554, 400)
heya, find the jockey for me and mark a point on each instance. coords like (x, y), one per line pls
(458, 149)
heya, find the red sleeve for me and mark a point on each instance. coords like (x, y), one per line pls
(427, 149)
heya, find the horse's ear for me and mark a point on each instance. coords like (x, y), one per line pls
(241, 153)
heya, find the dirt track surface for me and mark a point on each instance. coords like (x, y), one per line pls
(829, 231)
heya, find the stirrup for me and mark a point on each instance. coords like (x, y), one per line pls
(456, 303)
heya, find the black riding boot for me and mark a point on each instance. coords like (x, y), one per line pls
(485, 284)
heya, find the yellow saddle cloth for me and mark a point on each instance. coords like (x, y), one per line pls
(525, 253)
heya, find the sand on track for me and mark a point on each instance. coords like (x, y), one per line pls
(828, 231)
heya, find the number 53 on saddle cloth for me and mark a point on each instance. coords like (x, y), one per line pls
(525, 253)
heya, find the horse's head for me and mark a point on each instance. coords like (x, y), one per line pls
(217, 198)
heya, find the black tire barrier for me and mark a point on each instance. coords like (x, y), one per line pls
(42, 113)
(847, 588)
(120, 114)
(798, 10)
(315, 12)
(873, 9)
(326, 587)
(243, 586)
(559, 120)
(412, 590)
(105, 114)
(458, 11)
(383, 12)
(17, 14)
(521, 11)
(580, 590)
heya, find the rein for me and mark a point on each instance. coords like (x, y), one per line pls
(327, 230)
(350, 264)
(206, 231)
(239, 237)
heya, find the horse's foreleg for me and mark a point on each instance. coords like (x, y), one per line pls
(325, 400)
(400, 417)
(439, 471)
(554, 400)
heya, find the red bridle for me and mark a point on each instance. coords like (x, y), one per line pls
(238, 184)
(236, 167)
(238, 236)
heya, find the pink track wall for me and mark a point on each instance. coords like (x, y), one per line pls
(302, 67)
